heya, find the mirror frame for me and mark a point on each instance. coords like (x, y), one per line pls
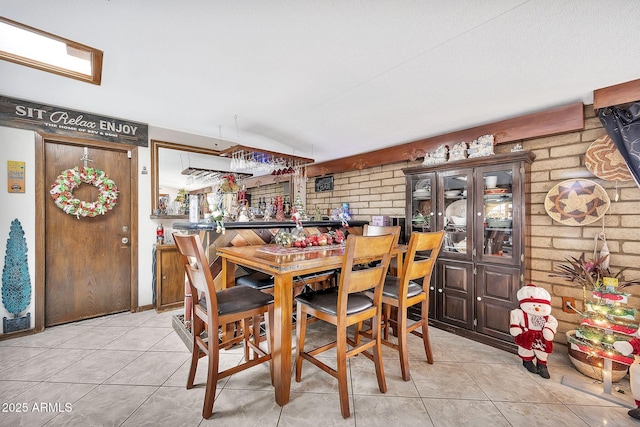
(155, 180)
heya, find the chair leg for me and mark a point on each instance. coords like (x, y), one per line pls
(377, 354)
(356, 333)
(195, 351)
(343, 388)
(387, 321)
(212, 378)
(301, 330)
(402, 343)
(425, 332)
(246, 334)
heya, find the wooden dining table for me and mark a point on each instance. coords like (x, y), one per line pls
(284, 265)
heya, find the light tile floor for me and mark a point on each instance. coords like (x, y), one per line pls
(131, 369)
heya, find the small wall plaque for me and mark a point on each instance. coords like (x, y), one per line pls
(15, 176)
(324, 183)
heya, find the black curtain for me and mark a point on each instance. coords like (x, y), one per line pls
(623, 127)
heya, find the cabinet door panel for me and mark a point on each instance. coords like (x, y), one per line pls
(421, 197)
(455, 213)
(496, 290)
(170, 278)
(498, 214)
(454, 298)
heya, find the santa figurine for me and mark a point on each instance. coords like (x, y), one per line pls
(297, 218)
(534, 327)
(627, 348)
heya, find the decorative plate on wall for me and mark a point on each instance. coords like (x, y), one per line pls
(577, 202)
(605, 161)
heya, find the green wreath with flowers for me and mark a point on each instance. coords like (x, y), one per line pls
(70, 179)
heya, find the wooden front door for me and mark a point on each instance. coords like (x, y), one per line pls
(87, 260)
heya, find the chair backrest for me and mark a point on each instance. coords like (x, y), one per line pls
(196, 266)
(417, 268)
(372, 254)
(380, 230)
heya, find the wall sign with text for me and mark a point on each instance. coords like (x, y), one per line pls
(64, 122)
(324, 183)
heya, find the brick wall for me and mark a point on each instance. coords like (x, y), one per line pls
(267, 191)
(381, 191)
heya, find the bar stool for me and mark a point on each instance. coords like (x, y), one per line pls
(403, 292)
(349, 306)
(237, 304)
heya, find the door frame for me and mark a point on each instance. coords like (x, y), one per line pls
(42, 193)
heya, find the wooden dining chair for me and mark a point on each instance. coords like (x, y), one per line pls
(379, 230)
(347, 307)
(237, 304)
(403, 292)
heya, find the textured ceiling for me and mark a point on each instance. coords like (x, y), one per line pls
(327, 79)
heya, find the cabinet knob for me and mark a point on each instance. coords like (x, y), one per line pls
(479, 214)
(164, 277)
(479, 298)
(431, 288)
(439, 213)
(440, 290)
(125, 240)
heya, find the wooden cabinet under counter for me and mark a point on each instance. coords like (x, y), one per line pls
(169, 278)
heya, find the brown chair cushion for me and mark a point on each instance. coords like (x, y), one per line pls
(392, 288)
(327, 301)
(239, 298)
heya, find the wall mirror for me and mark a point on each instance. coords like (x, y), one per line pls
(169, 160)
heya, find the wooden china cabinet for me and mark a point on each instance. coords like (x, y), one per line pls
(482, 262)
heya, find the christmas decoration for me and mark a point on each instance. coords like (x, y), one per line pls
(299, 207)
(627, 348)
(229, 184)
(297, 218)
(62, 192)
(605, 318)
(215, 207)
(534, 327)
(279, 209)
(16, 282)
(284, 239)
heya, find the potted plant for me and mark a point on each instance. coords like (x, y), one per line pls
(605, 317)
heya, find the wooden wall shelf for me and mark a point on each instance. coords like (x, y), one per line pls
(616, 95)
(544, 123)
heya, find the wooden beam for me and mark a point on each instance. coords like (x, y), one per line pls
(549, 122)
(616, 94)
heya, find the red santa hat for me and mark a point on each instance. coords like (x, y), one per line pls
(532, 293)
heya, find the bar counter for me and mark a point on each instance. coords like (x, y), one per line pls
(254, 233)
(211, 226)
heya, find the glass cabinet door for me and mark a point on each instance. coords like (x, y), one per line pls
(422, 191)
(496, 212)
(455, 213)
